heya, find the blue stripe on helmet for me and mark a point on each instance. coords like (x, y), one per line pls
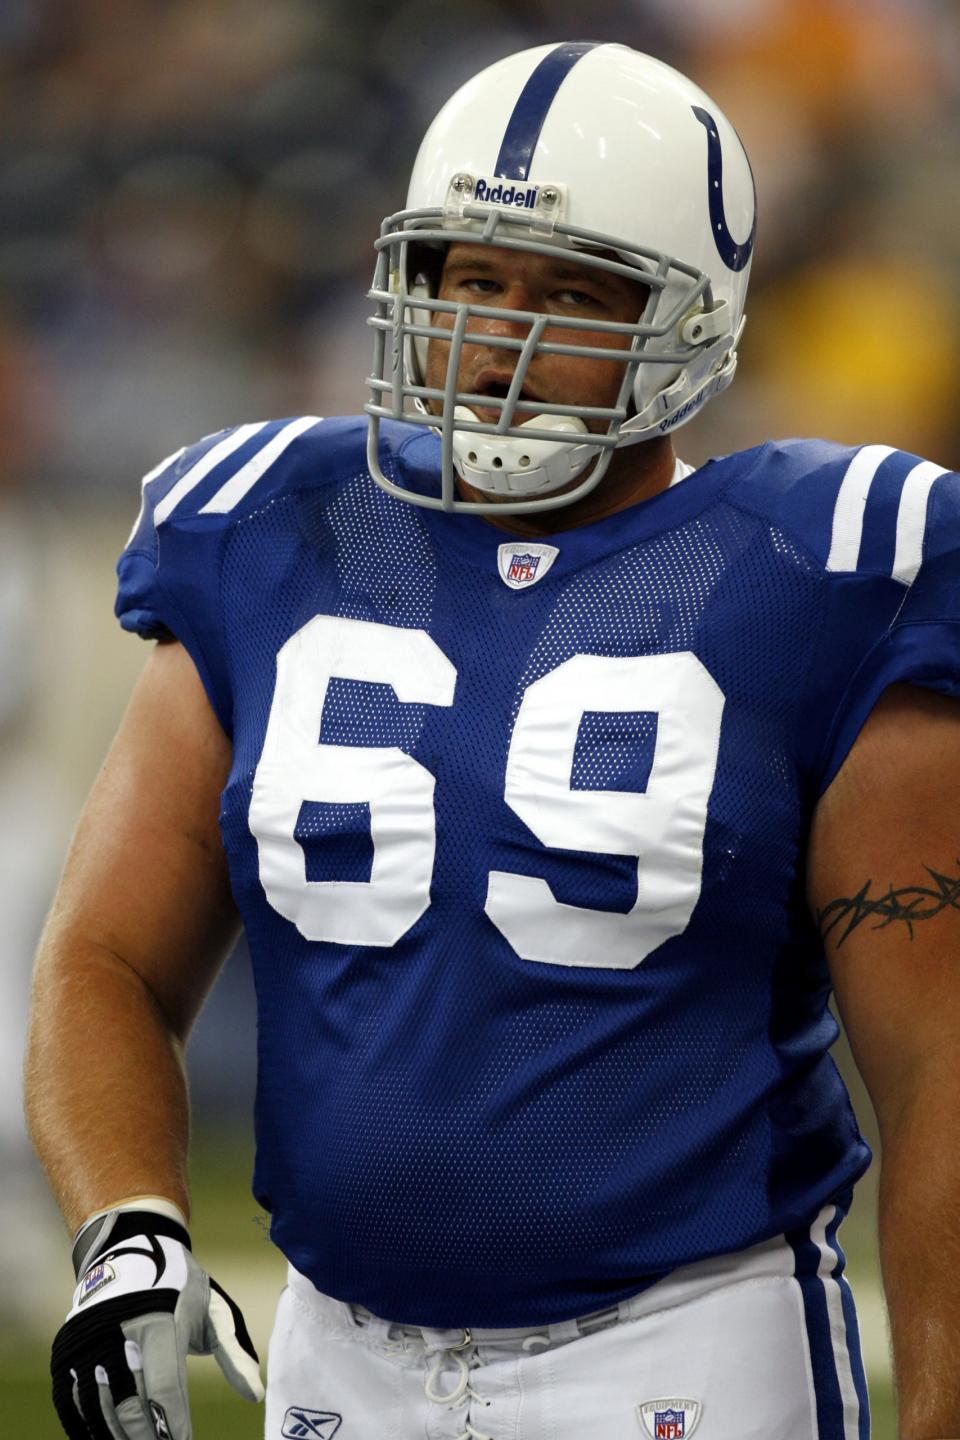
(536, 97)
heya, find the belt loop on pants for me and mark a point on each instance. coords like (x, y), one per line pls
(599, 1320)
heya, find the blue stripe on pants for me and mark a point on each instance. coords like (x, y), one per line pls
(852, 1327)
(823, 1360)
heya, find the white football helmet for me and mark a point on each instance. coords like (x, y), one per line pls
(595, 149)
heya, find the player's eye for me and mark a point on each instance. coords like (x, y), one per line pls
(578, 299)
(479, 285)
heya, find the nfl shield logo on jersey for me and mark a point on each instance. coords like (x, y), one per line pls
(523, 568)
(669, 1419)
(522, 565)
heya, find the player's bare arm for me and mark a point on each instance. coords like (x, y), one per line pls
(139, 928)
(883, 884)
(140, 925)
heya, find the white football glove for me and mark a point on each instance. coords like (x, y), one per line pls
(141, 1306)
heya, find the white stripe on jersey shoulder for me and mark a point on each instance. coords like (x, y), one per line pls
(838, 1322)
(234, 489)
(196, 473)
(152, 475)
(850, 504)
(912, 519)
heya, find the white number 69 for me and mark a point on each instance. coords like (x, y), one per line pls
(663, 826)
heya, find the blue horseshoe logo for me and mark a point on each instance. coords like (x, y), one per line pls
(734, 256)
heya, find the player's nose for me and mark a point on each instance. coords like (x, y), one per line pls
(518, 298)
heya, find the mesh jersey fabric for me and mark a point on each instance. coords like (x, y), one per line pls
(449, 1131)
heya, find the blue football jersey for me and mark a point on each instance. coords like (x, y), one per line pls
(517, 832)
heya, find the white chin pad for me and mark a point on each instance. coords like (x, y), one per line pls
(506, 465)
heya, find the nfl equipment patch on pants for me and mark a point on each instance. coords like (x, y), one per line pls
(758, 1344)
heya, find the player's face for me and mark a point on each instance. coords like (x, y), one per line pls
(511, 280)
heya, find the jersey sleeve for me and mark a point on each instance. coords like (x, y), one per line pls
(170, 570)
(918, 641)
(167, 573)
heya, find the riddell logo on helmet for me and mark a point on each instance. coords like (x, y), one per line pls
(683, 413)
(496, 193)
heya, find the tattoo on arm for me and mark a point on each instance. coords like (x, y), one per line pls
(910, 904)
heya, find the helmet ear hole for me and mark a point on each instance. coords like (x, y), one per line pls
(425, 263)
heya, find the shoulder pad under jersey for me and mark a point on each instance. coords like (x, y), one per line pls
(883, 526)
(870, 510)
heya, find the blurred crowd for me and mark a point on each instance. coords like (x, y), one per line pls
(189, 191)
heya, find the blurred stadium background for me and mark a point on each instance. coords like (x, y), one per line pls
(189, 190)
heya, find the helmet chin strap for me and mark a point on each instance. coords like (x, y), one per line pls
(507, 465)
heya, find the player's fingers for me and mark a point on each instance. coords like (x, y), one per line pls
(133, 1418)
(107, 1409)
(66, 1401)
(232, 1347)
(159, 1374)
(86, 1397)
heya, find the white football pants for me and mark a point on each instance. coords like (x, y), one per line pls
(759, 1345)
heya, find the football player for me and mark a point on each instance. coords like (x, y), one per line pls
(555, 783)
